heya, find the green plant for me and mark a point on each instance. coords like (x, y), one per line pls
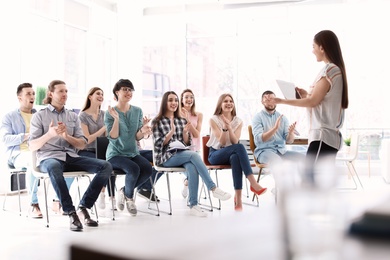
(40, 95)
(347, 141)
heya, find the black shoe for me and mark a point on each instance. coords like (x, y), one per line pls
(75, 224)
(146, 194)
(83, 214)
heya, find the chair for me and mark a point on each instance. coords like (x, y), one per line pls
(349, 157)
(261, 166)
(101, 148)
(20, 175)
(212, 167)
(45, 177)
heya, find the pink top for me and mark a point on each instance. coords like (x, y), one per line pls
(195, 141)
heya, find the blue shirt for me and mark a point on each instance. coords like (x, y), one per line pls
(129, 124)
(56, 147)
(264, 121)
(12, 132)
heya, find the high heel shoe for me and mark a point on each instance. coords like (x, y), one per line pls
(236, 207)
(259, 192)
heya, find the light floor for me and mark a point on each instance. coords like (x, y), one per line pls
(224, 234)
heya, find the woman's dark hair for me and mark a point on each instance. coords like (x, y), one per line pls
(122, 83)
(163, 107)
(51, 88)
(87, 103)
(193, 111)
(330, 43)
(218, 108)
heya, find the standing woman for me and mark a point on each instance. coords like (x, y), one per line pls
(125, 127)
(226, 149)
(92, 124)
(168, 126)
(195, 119)
(326, 101)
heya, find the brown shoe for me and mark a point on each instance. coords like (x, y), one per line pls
(35, 211)
(83, 214)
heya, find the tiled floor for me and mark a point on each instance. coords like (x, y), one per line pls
(224, 234)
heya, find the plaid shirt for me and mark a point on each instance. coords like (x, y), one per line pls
(160, 130)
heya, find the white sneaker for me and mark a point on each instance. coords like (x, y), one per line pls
(101, 201)
(220, 194)
(197, 212)
(184, 191)
(112, 203)
(131, 207)
(121, 199)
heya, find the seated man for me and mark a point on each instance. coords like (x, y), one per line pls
(55, 133)
(271, 132)
(15, 131)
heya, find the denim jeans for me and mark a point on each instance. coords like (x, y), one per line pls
(275, 158)
(137, 170)
(55, 169)
(22, 161)
(92, 154)
(195, 167)
(147, 185)
(236, 156)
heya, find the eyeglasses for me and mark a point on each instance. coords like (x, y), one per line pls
(124, 89)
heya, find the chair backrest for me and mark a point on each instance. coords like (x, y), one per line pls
(252, 144)
(354, 147)
(205, 150)
(101, 147)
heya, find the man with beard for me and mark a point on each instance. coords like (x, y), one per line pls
(271, 132)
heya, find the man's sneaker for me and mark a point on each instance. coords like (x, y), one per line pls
(197, 212)
(35, 211)
(220, 194)
(121, 199)
(112, 203)
(184, 191)
(131, 207)
(146, 194)
(101, 201)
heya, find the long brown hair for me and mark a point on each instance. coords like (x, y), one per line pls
(330, 43)
(51, 88)
(163, 108)
(87, 103)
(218, 108)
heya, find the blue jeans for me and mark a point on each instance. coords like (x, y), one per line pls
(148, 154)
(195, 167)
(236, 156)
(22, 161)
(55, 169)
(92, 154)
(275, 158)
(137, 170)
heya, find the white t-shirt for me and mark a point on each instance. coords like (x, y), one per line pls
(213, 141)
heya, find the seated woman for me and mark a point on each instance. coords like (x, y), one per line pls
(125, 127)
(169, 127)
(226, 149)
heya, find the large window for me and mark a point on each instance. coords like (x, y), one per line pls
(244, 51)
